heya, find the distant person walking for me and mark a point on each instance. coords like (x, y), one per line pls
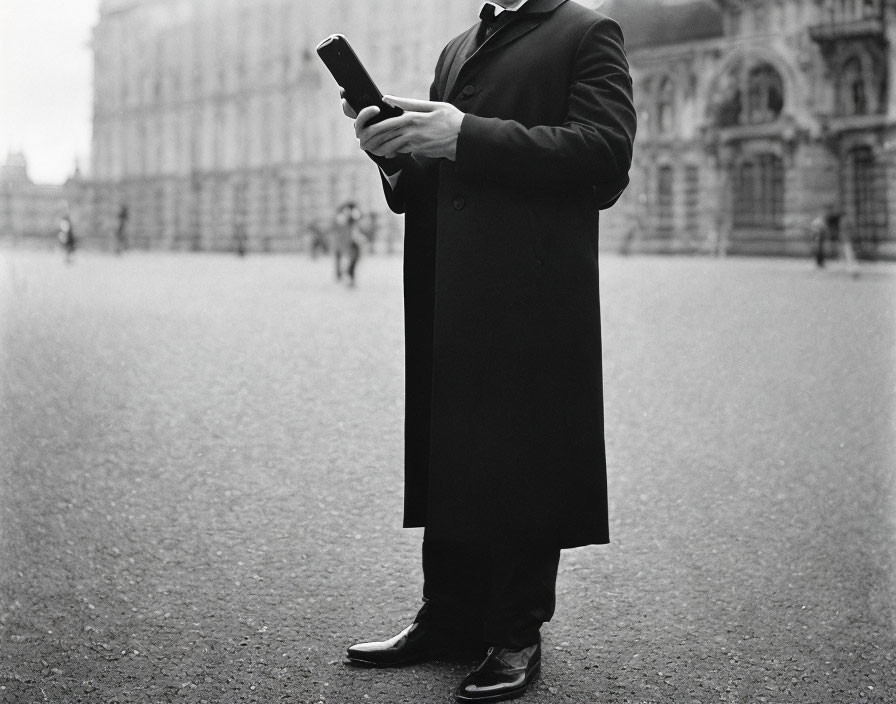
(819, 230)
(121, 240)
(67, 238)
(826, 228)
(240, 240)
(347, 240)
(319, 242)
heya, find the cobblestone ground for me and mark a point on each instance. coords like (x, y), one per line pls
(200, 486)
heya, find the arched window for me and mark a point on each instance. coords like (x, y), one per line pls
(759, 193)
(862, 82)
(665, 106)
(853, 97)
(765, 94)
(726, 103)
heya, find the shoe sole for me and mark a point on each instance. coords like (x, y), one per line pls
(360, 662)
(505, 696)
(445, 656)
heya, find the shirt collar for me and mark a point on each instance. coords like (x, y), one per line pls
(512, 8)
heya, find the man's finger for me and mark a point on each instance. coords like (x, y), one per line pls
(392, 124)
(379, 143)
(365, 116)
(411, 104)
(380, 131)
(398, 144)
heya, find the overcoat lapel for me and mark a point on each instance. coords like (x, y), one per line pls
(504, 36)
(464, 49)
(532, 15)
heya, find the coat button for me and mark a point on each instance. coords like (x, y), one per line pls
(459, 203)
(468, 91)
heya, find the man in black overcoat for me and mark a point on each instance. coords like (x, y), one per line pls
(528, 133)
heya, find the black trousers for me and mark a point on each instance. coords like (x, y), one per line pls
(500, 596)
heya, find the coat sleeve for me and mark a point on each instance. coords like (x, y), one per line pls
(395, 197)
(409, 166)
(592, 146)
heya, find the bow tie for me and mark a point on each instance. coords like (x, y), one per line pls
(487, 14)
(491, 24)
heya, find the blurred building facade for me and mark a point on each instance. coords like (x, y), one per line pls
(755, 116)
(29, 212)
(217, 126)
(215, 123)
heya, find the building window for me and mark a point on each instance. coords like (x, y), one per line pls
(759, 193)
(240, 205)
(691, 199)
(866, 188)
(761, 18)
(160, 213)
(220, 135)
(665, 202)
(870, 8)
(735, 22)
(861, 84)
(765, 94)
(726, 108)
(665, 106)
(283, 203)
(853, 99)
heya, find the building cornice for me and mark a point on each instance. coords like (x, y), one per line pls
(685, 49)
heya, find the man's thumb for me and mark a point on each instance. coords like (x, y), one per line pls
(410, 104)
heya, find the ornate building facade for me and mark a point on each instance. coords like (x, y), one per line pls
(784, 111)
(217, 126)
(216, 123)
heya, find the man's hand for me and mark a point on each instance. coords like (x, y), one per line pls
(346, 108)
(426, 128)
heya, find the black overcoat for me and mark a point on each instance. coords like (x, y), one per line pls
(504, 410)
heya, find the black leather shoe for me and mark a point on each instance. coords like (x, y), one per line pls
(504, 674)
(416, 643)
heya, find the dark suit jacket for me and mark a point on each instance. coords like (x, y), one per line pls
(504, 415)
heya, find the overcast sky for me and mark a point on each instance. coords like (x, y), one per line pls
(45, 84)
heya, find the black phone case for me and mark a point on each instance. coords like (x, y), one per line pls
(360, 90)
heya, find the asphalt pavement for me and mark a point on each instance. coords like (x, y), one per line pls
(201, 490)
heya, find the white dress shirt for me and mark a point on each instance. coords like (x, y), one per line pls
(512, 8)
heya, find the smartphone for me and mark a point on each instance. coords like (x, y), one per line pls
(360, 90)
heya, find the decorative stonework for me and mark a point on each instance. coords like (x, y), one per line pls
(788, 116)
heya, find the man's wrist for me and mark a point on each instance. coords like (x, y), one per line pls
(390, 167)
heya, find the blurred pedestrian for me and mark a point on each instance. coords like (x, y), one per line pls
(240, 240)
(368, 227)
(67, 237)
(319, 242)
(827, 227)
(819, 230)
(528, 133)
(121, 242)
(842, 236)
(347, 239)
